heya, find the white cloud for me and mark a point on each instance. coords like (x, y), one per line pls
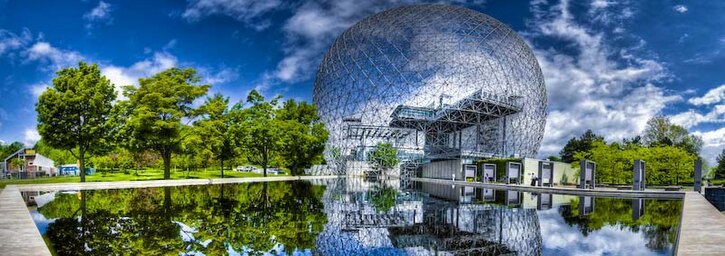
(680, 8)
(10, 41)
(713, 143)
(600, 4)
(608, 240)
(249, 11)
(223, 75)
(31, 137)
(715, 95)
(713, 102)
(692, 118)
(592, 89)
(44, 52)
(121, 76)
(102, 12)
(38, 89)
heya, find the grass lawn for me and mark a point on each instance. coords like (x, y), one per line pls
(148, 174)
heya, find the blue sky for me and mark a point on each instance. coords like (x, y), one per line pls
(609, 65)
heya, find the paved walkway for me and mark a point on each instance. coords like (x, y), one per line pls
(599, 192)
(18, 233)
(702, 227)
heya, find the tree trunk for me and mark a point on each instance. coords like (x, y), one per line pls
(222, 160)
(84, 221)
(264, 164)
(82, 164)
(167, 201)
(167, 164)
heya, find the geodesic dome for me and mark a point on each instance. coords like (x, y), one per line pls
(428, 69)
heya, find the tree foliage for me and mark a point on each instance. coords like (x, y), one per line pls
(16, 163)
(7, 149)
(220, 128)
(720, 167)
(659, 222)
(251, 217)
(664, 164)
(303, 136)
(57, 155)
(576, 145)
(261, 135)
(384, 157)
(661, 132)
(73, 113)
(156, 109)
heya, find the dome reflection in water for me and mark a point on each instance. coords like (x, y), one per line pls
(350, 217)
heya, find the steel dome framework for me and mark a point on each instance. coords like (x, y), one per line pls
(437, 81)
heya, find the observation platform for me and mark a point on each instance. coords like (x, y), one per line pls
(473, 109)
(439, 152)
(361, 131)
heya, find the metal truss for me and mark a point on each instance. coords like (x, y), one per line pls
(467, 83)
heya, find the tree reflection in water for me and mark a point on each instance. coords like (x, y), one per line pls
(277, 217)
(357, 218)
(659, 222)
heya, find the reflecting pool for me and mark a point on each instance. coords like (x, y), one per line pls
(349, 217)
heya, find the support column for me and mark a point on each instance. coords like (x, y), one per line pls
(698, 176)
(638, 179)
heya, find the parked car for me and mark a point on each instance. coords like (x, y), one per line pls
(246, 168)
(274, 171)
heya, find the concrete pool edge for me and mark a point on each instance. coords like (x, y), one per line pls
(564, 190)
(18, 233)
(702, 227)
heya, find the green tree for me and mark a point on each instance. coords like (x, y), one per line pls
(720, 168)
(384, 157)
(261, 135)
(156, 110)
(582, 144)
(665, 164)
(219, 128)
(383, 197)
(303, 135)
(6, 150)
(661, 132)
(17, 163)
(73, 113)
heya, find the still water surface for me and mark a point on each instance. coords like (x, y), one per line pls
(350, 217)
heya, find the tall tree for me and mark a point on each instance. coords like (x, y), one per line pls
(73, 113)
(581, 144)
(156, 110)
(720, 168)
(219, 128)
(661, 132)
(303, 136)
(261, 135)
